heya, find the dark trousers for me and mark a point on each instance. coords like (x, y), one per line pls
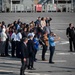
(52, 49)
(23, 67)
(44, 51)
(74, 45)
(18, 49)
(31, 61)
(6, 48)
(71, 44)
(13, 48)
(35, 54)
(3, 43)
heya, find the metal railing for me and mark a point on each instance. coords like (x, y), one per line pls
(44, 8)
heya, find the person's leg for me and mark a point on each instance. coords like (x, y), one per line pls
(23, 67)
(3, 48)
(44, 51)
(32, 60)
(18, 49)
(35, 54)
(52, 49)
(29, 63)
(13, 48)
(74, 45)
(70, 41)
(6, 48)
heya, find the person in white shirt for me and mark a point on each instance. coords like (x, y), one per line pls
(3, 41)
(18, 42)
(31, 34)
(13, 42)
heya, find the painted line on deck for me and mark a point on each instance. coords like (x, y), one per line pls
(32, 73)
(62, 53)
(60, 61)
(63, 42)
(5, 71)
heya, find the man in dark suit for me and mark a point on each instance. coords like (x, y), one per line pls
(24, 55)
(30, 45)
(69, 34)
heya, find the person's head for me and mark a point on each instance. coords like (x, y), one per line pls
(52, 34)
(19, 30)
(71, 25)
(15, 31)
(42, 18)
(45, 33)
(24, 29)
(50, 18)
(25, 39)
(30, 37)
(3, 23)
(39, 18)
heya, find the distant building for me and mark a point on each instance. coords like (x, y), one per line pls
(28, 5)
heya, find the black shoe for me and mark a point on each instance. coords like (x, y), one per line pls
(35, 59)
(13, 56)
(70, 51)
(44, 60)
(33, 68)
(51, 62)
(3, 55)
(7, 55)
(28, 68)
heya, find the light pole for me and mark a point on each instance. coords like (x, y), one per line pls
(72, 5)
(57, 5)
(11, 5)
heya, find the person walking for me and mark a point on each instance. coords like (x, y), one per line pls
(69, 34)
(31, 49)
(24, 56)
(73, 37)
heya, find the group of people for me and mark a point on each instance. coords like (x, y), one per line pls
(25, 40)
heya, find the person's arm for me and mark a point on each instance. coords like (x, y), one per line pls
(23, 52)
(57, 39)
(67, 32)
